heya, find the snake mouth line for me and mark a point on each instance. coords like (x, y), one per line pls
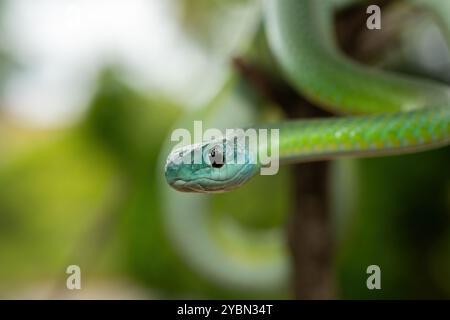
(191, 186)
(186, 186)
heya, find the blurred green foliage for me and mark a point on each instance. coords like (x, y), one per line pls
(401, 222)
(215, 24)
(46, 195)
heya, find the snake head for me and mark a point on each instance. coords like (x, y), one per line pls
(215, 166)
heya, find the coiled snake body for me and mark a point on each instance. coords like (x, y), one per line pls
(385, 114)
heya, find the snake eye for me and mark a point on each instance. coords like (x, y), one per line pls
(217, 158)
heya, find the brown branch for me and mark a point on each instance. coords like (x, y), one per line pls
(309, 230)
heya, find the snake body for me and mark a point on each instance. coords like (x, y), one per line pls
(404, 114)
(385, 113)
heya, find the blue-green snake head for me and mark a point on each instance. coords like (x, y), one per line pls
(215, 166)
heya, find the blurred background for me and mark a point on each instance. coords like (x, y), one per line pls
(89, 93)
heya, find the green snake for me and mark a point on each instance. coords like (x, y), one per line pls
(385, 114)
